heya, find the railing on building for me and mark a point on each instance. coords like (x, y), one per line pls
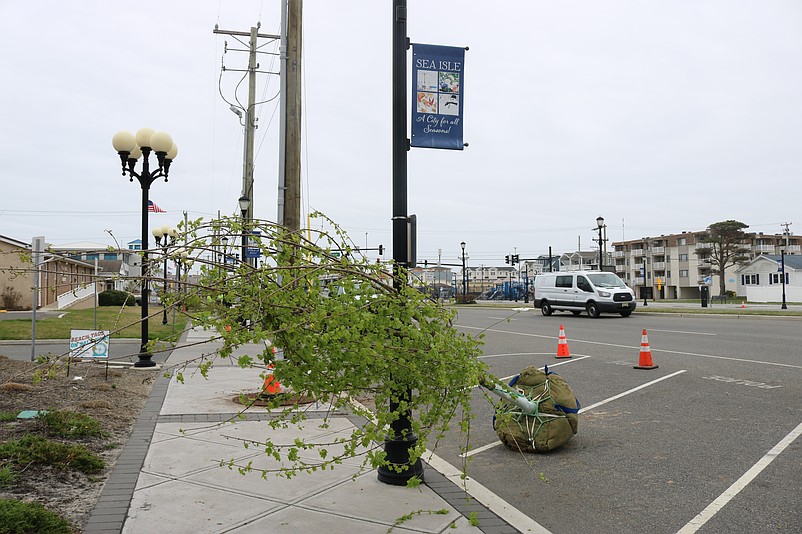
(65, 300)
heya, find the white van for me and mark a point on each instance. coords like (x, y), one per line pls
(593, 291)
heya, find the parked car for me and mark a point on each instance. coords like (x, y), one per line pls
(593, 291)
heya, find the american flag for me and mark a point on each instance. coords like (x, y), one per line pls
(152, 207)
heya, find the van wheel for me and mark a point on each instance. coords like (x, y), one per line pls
(576, 312)
(626, 313)
(593, 309)
(545, 308)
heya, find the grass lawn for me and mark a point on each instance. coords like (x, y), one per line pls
(121, 322)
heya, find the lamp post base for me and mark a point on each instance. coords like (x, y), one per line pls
(398, 455)
(145, 361)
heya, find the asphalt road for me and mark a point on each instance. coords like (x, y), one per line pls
(695, 438)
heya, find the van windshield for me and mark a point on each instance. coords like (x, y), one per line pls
(606, 280)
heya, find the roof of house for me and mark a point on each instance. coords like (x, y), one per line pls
(15, 242)
(84, 246)
(792, 261)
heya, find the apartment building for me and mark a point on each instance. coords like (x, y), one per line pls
(676, 266)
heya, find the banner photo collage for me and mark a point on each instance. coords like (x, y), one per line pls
(438, 89)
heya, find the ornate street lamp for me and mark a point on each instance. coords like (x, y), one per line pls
(244, 204)
(130, 148)
(464, 273)
(164, 232)
(600, 225)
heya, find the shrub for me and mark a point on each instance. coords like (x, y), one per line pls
(112, 297)
(35, 449)
(70, 424)
(10, 298)
(17, 517)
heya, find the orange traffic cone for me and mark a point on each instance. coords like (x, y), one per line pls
(271, 386)
(645, 361)
(562, 345)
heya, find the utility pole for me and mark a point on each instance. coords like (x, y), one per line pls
(250, 113)
(289, 208)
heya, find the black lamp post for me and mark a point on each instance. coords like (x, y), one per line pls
(130, 148)
(644, 282)
(161, 234)
(464, 273)
(600, 225)
(401, 438)
(244, 204)
(782, 267)
(526, 283)
(181, 260)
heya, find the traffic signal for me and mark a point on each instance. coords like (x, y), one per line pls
(381, 250)
(515, 259)
(507, 258)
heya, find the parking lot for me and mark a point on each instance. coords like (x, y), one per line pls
(706, 442)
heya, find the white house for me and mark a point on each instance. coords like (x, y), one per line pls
(761, 280)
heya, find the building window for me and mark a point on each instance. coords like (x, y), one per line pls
(681, 241)
(683, 257)
(775, 278)
(750, 279)
(683, 273)
(110, 256)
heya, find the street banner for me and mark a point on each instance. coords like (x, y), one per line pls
(439, 90)
(89, 344)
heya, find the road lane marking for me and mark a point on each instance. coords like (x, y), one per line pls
(583, 410)
(683, 332)
(614, 345)
(712, 509)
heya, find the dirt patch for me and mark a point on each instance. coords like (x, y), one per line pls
(114, 401)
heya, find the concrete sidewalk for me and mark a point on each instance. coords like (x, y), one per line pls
(168, 478)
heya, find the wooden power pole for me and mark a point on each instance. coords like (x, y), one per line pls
(290, 193)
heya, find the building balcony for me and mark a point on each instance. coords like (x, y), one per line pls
(659, 266)
(637, 252)
(764, 248)
(658, 250)
(619, 254)
(704, 246)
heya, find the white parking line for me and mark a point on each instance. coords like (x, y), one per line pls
(517, 354)
(712, 509)
(583, 410)
(682, 332)
(494, 503)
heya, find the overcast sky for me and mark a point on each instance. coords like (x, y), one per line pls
(659, 116)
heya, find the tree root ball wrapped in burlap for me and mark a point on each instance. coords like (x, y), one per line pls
(552, 424)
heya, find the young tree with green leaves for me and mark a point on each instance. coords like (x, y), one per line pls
(346, 334)
(727, 247)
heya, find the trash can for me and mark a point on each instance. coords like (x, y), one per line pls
(704, 292)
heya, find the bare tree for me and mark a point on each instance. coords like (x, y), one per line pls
(728, 248)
